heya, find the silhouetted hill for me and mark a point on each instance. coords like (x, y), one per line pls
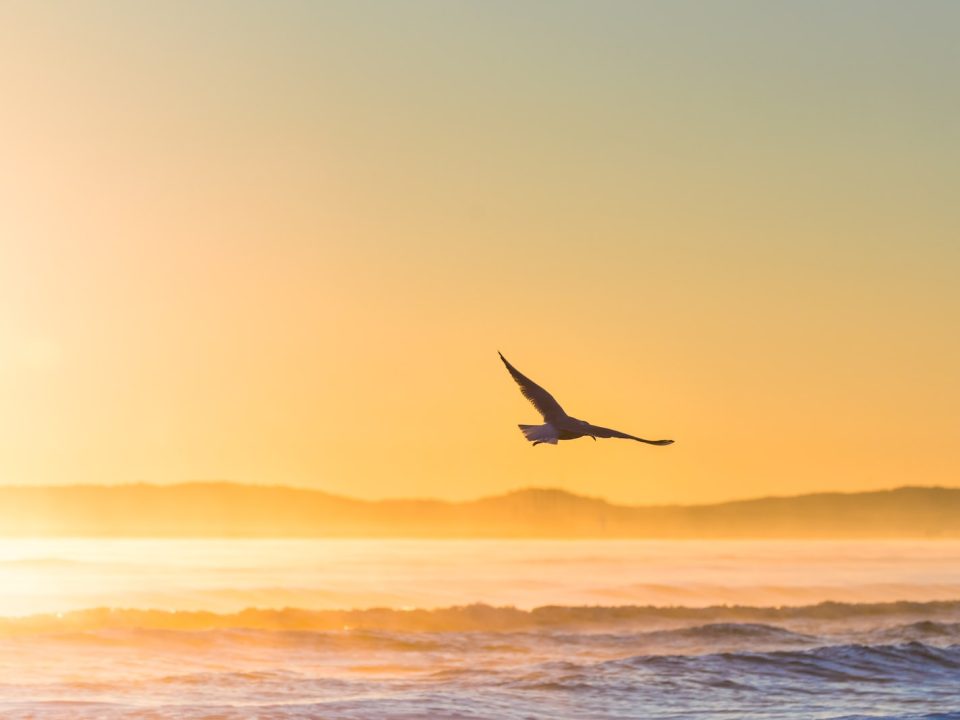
(234, 510)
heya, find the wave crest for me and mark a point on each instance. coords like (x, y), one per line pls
(941, 617)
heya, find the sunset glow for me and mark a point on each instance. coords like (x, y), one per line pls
(278, 279)
(282, 243)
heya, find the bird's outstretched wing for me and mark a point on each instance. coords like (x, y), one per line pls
(541, 399)
(603, 432)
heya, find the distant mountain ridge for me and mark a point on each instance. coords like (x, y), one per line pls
(222, 509)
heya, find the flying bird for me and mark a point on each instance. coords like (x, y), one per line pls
(557, 424)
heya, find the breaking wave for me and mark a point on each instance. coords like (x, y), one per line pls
(833, 661)
(918, 619)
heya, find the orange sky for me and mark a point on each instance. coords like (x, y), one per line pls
(282, 243)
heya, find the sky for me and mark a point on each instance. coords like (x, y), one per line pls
(282, 242)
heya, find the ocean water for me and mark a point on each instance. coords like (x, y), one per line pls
(339, 630)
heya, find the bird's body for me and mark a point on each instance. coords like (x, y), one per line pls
(557, 424)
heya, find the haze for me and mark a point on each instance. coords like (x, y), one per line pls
(282, 242)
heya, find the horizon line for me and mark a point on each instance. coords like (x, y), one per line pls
(506, 493)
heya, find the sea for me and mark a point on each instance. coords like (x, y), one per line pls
(506, 629)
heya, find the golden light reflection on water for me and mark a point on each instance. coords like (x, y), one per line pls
(228, 576)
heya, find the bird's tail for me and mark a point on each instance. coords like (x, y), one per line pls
(539, 433)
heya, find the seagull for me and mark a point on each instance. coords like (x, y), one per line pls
(557, 424)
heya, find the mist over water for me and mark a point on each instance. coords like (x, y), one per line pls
(224, 576)
(479, 629)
